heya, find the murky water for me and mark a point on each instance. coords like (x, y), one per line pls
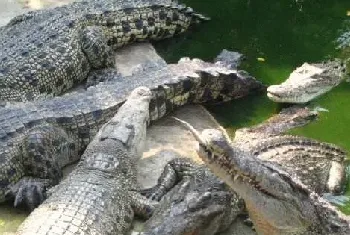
(276, 37)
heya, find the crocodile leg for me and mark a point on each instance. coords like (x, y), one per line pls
(95, 47)
(142, 206)
(100, 56)
(42, 150)
(174, 171)
(29, 192)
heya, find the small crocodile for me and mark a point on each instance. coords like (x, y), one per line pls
(319, 165)
(193, 201)
(44, 53)
(278, 203)
(308, 81)
(101, 195)
(38, 138)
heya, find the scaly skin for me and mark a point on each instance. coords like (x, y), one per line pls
(45, 53)
(278, 203)
(308, 82)
(321, 166)
(37, 139)
(194, 201)
(100, 195)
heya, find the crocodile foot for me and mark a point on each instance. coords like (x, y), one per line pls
(28, 192)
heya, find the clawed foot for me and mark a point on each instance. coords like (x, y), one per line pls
(28, 193)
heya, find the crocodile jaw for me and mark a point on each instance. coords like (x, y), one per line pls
(297, 93)
(307, 82)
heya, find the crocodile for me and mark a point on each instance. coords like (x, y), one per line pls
(278, 203)
(308, 82)
(319, 165)
(101, 195)
(44, 53)
(193, 201)
(38, 138)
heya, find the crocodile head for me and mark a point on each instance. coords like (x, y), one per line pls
(308, 82)
(188, 212)
(277, 203)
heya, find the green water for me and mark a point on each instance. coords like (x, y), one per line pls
(285, 33)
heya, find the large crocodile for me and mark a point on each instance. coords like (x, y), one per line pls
(278, 203)
(319, 165)
(37, 139)
(101, 195)
(46, 52)
(193, 201)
